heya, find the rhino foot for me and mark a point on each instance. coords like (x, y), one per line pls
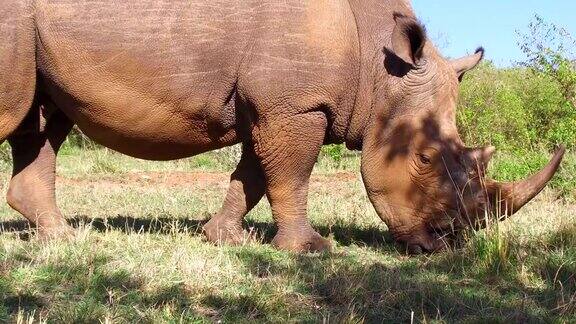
(224, 232)
(309, 241)
(54, 233)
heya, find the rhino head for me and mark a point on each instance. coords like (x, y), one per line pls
(421, 178)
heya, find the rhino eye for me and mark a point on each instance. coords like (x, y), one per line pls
(425, 159)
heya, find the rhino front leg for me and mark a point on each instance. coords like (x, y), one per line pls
(288, 151)
(245, 191)
(32, 187)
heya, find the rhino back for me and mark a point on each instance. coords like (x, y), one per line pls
(123, 71)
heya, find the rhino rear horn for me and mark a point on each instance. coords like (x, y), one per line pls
(481, 156)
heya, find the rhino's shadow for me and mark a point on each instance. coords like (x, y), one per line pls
(344, 235)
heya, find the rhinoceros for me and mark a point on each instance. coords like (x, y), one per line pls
(163, 80)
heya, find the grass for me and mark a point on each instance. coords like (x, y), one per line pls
(139, 255)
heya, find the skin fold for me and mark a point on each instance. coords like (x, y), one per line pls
(162, 80)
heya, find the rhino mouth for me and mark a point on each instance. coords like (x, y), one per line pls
(496, 202)
(450, 230)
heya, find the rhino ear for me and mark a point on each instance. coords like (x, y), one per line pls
(465, 64)
(408, 39)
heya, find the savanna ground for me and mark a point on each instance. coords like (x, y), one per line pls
(140, 255)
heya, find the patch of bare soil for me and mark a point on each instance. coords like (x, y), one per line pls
(187, 179)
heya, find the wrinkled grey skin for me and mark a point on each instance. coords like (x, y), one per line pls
(163, 80)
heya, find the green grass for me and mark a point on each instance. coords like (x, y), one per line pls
(139, 255)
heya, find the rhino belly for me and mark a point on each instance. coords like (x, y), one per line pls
(130, 122)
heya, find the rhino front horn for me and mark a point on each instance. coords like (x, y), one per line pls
(509, 197)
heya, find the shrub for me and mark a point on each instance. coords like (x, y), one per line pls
(334, 151)
(515, 109)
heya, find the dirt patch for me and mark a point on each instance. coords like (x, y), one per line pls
(180, 179)
(188, 179)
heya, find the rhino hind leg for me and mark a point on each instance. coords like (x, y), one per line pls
(244, 192)
(288, 151)
(32, 187)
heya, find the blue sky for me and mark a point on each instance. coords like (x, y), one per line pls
(460, 26)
